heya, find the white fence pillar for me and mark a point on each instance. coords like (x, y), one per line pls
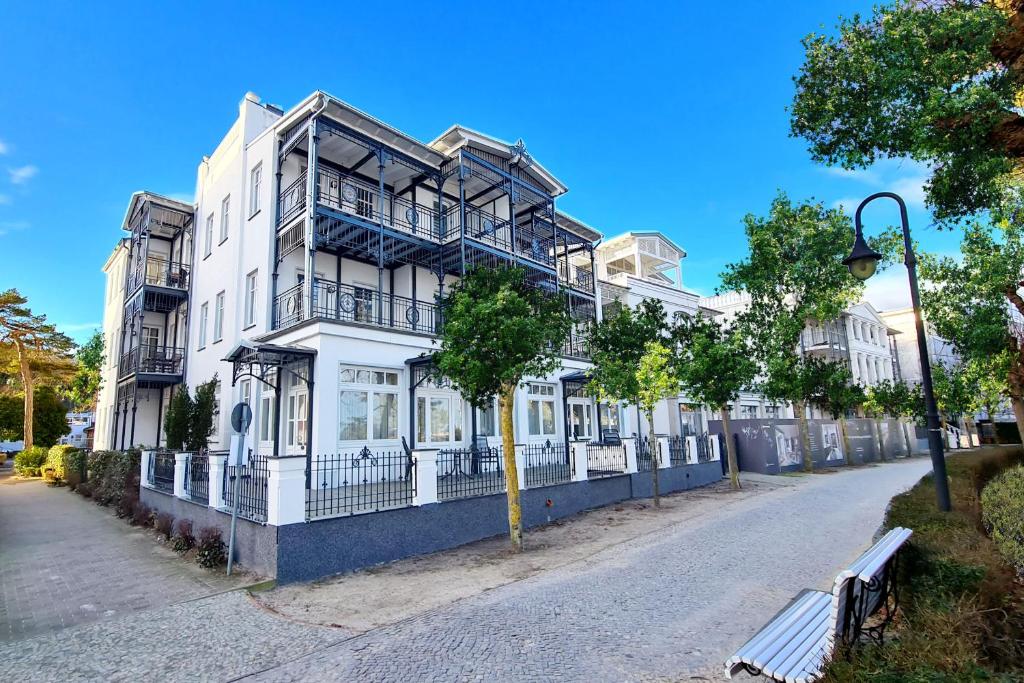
(579, 460)
(716, 446)
(426, 476)
(180, 465)
(521, 466)
(631, 464)
(216, 485)
(286, 490)
(691, 450)
(664, 455)
(144, 468)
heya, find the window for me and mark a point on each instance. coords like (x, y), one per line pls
(250, 299)
(771, 412)
(691, 420)
(748, 412)
(218, 318)
(540, 409)
(580, 426)
(255, 182)
(225, 211)
(610, 417)
(267, 418)
(203, 315)
(367, 404)
(297, 415)
(364, 304)
(244, 391)
(487, 421)
(209, 236)
(150, 342)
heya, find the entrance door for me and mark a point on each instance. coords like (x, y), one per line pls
(580, 419)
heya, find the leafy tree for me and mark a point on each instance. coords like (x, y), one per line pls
(178, 420)
(835, 393)
(618, 346)
(201, 421)
(938, 82)
(49, 417)
(498, 329)
(40, 350)
(895, 399)
(657, 381)
(988, 377)
(714, 365)
(793, 274)
(85, 385)
(954, 390)
(975, 302)
(12, 412)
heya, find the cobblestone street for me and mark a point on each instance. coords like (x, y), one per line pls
(669, 605)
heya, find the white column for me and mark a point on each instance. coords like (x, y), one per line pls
(665, 456)
(631, 464)
(180, 463)
(521, 466)
(144, 468)
(579, 460)
(426, 476)
(716, 450)
(691, 450)
(286, 490)
(216, 486)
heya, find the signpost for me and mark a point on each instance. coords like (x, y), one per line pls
(241, 418)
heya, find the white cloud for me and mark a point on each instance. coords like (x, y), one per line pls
(889, 289)
(7, 227)
(22, 174)
(183, 197)
(4, 149)
(905, 177)
(847, 204)
(4, 199)
(78, 327)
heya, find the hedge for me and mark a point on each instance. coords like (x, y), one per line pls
(1002, 511)
(28, 462)
(57, 463)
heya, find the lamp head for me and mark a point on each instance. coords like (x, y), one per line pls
(863, 260)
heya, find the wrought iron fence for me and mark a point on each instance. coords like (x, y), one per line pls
(547, 464)
(252, 487)
(464, 472)
(363, 481)
(197, 477)
(645, 453)
(161, 471)
(703, 448)
(605, 460)
(350, 304)
(677, 451)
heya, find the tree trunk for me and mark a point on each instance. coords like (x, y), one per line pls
(847, 451)
(805, 435)
(906, 437)
(27, 384)
(970, 436)
(508, 442)
(945, 431)
(730, 450)
(1018, 414)
(881, 441)
(653, 445)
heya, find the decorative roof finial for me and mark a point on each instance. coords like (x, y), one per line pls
(519, 153)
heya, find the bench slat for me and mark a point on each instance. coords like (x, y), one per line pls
(807, 644)
(782, 628)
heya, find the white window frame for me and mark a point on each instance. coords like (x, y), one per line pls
(255, 183)
(297, 425)
(218, 317)
(495, 409)
(251, 284)
(539, 393)
(266, 418)
(374, 382)
(204, 313)
(225, 213)
(208, 248)
(588, 425)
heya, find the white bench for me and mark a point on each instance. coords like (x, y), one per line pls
(798, 642)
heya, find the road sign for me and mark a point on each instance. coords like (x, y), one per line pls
(241, 417)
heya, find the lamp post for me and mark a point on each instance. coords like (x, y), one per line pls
(862, 262)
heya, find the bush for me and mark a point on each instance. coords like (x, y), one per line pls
(57, 466)
(76, 464)
(29, 461)
(210, 550)
(183, 540)
(142, 514)
(115, 477)
(84, 489)
(1002, 511)
(164, 524)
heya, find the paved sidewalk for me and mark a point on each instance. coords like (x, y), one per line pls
(663, 607)
(65, 561)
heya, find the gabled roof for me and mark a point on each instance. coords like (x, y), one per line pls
(142, 196)
(458, 136)
(646, 233)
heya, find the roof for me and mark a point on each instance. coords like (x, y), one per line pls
(647, 233)
(141, 196)
(577, 226)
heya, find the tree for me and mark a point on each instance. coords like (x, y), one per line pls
(12, 412)
(714, 365)
(935, 82)
(618, 345)
(975, 302)
(657, 381)
(954, 390)
(179, 418)
(202, 415)
(835, 393)
(85, 385)
(793, 274)
(988, 377)
(49, 417)
(499, 329)
(39, 348)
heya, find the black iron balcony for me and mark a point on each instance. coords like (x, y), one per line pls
(159, 272)
(357, 305)
(576, 346)
(581, 279)
(165, 361)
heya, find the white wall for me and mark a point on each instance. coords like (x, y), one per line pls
(113, 315)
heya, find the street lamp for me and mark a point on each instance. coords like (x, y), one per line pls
(862, 262)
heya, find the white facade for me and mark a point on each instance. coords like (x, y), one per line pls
(871, 356)
(908, 356)
(113, 317)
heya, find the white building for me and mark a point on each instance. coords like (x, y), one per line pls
(907, 354)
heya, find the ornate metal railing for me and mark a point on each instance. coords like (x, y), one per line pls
(159, 272)
(481, 226)
(576, 345)
(152, 360)
(703, 448)
(546, 464)
(464, 472)
(677, 451)
(252, 487)
(363, 481)
(576, 277)
(292, 199)
(535, 247)
(646, 454)
(161, 471)
(605, 460)
(197, 477)
(349, 304)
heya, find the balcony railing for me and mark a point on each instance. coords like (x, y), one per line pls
(350, 304)
(481, 226)
(152, 360)
(576, 346)
(159, 272)
(576, 277)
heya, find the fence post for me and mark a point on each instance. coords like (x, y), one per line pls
(691, 450)
(520, 453)
(144, 469)
(629, 445)
(286, 490)
(716, 447)
(579, 460)
(426, 476)
(180, 465)
(216, 486)
(664, 455)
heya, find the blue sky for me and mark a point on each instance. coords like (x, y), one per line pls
(656, 118)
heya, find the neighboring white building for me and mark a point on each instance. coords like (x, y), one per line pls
(907, 354)
(113, 315)
(79, 423)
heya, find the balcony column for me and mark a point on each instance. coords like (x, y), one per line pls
(462, 214)
(180, 465)
(311, 179)
(380, 236)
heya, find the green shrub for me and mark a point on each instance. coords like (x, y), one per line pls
(210, 550)
(57, 462)
(1002, 512)
(76, 464)
(183, 540)
(114, 476)
(29, 461)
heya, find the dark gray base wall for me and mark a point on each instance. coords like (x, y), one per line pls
(255, 544)
(343, 544)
